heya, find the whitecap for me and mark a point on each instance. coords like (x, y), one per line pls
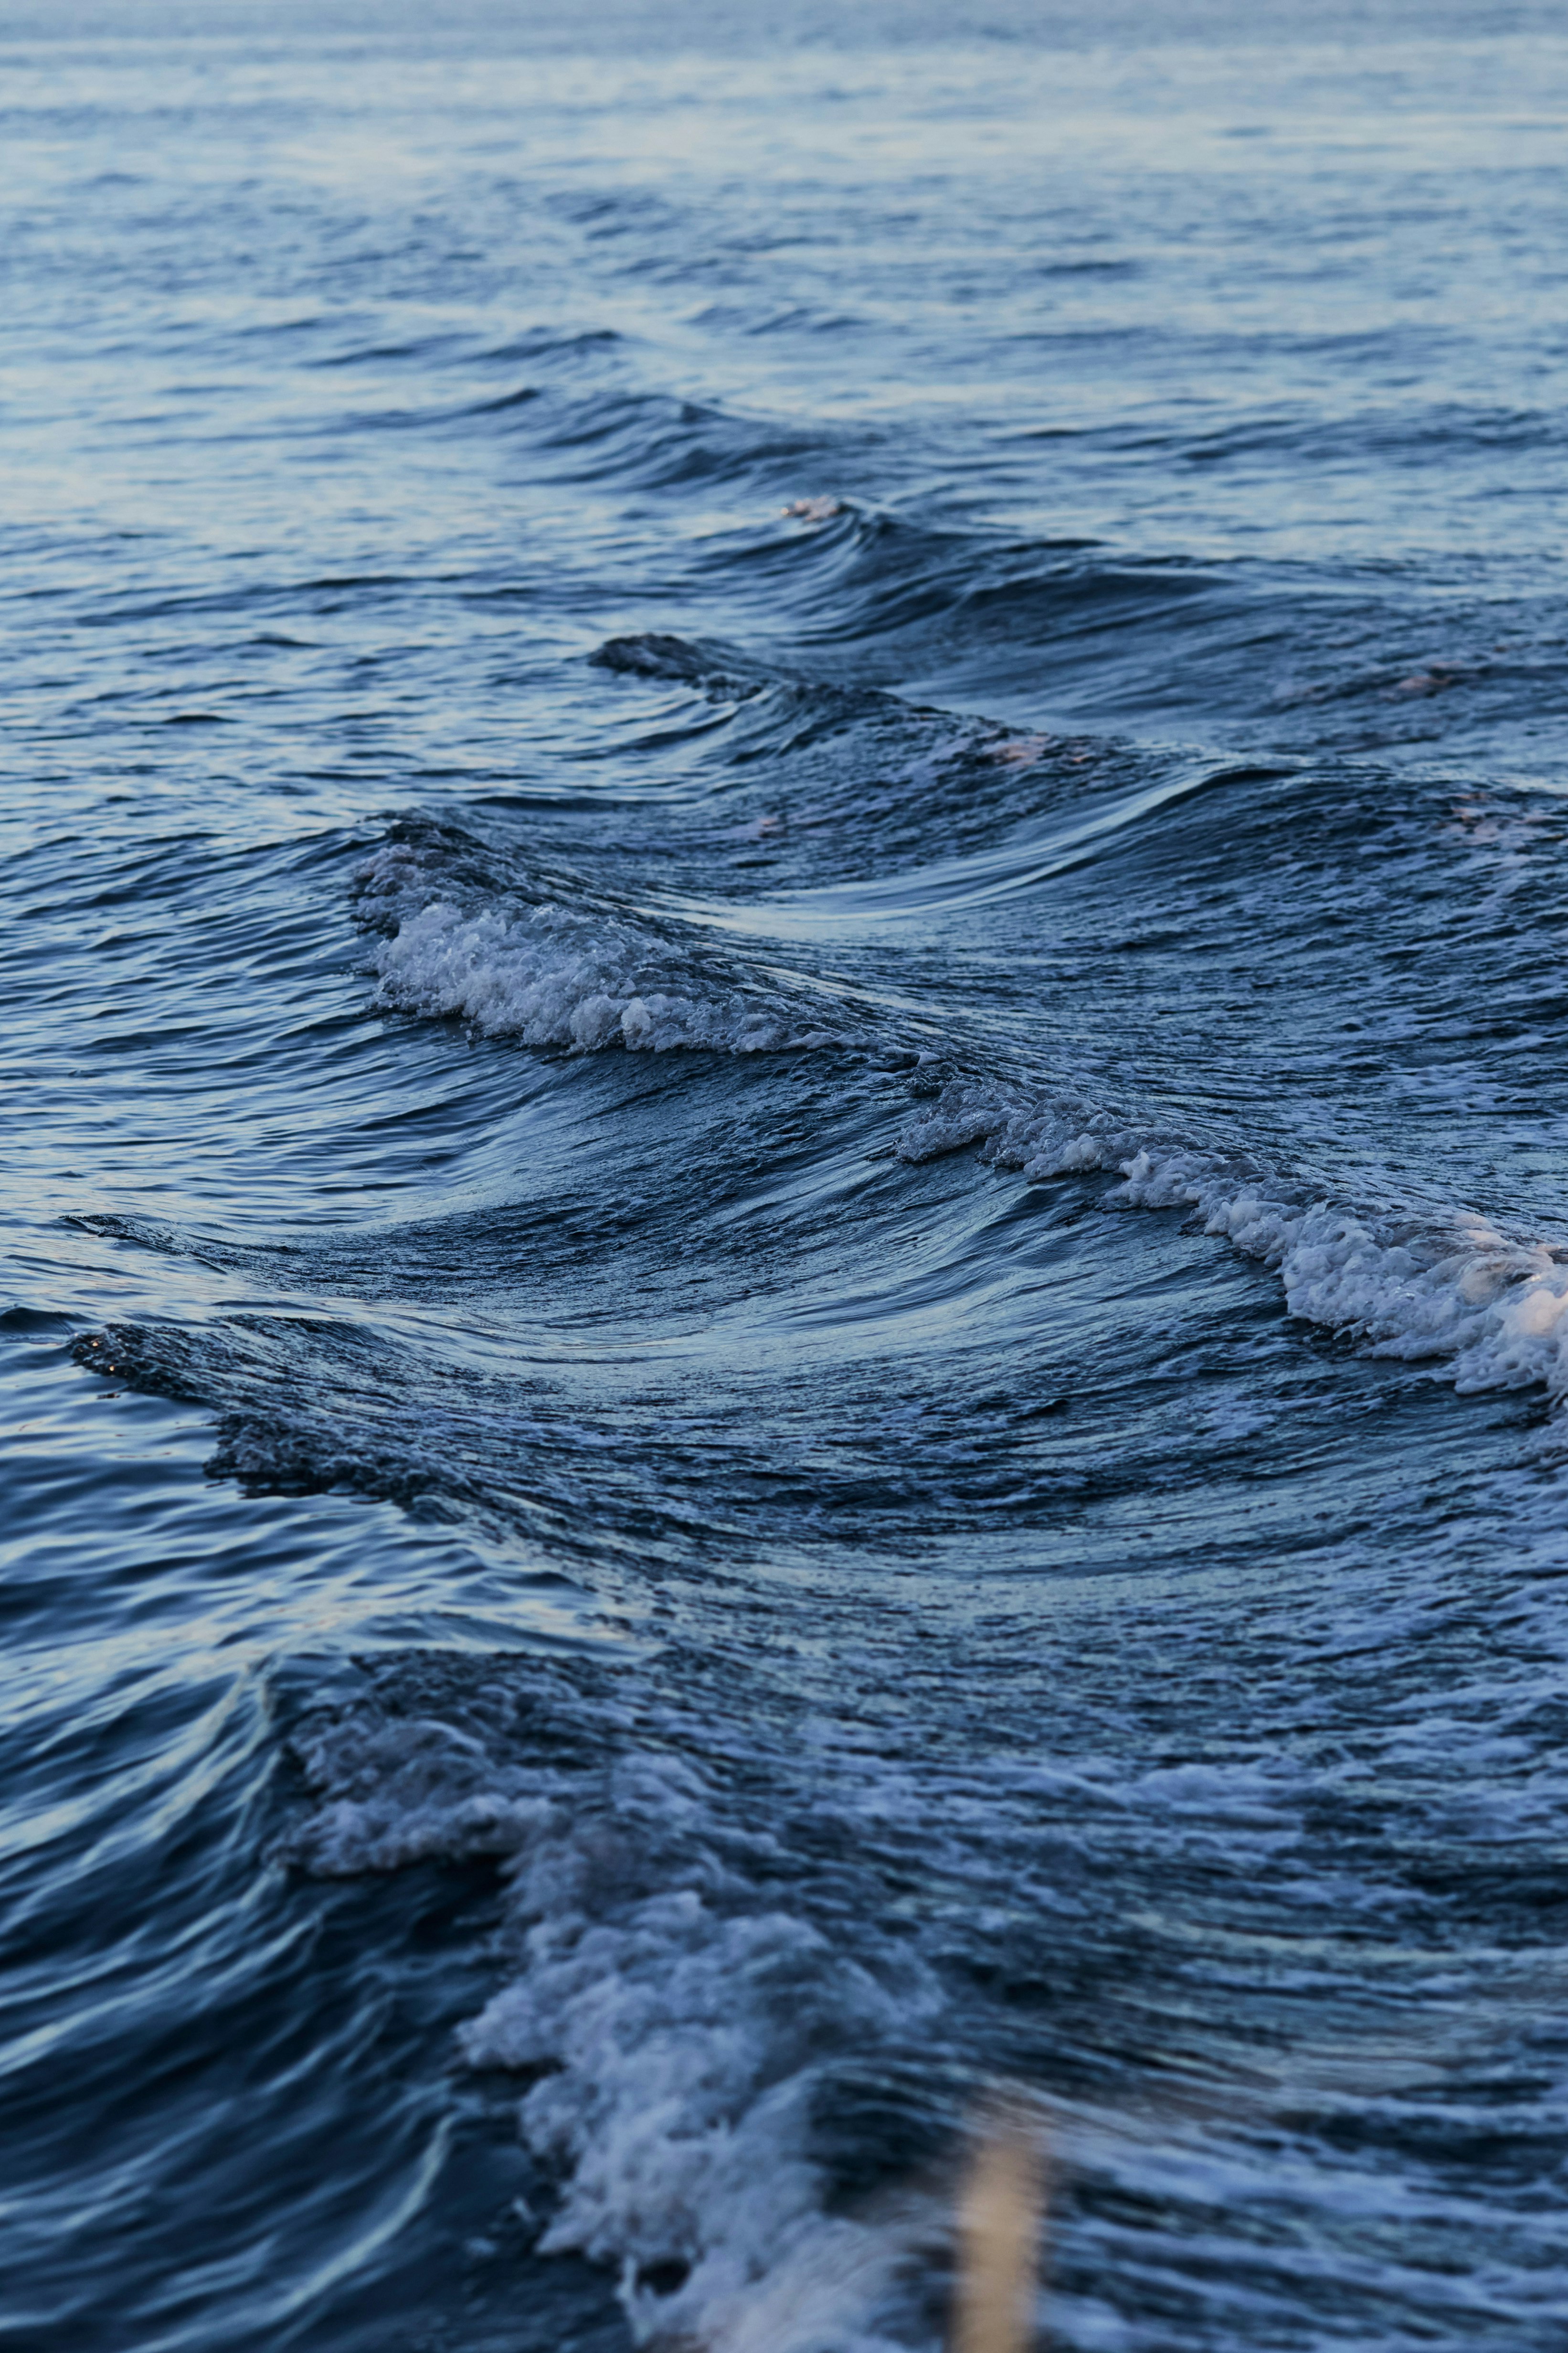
(1417, 1283)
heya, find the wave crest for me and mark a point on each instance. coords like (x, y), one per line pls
(1443, 1285)
(556, 976)
(680, 2016)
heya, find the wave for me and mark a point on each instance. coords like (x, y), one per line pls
(656, 440)
(560, 976)
(1422, 1280)
(538, 955)
(550, 979)
(744, 2055)
(717, 670)
(1409, 1282)
(680, 2016)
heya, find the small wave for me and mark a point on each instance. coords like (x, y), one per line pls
(551, 343)
(653, 654)
(680, 2016)
(1409, 1282)
(556, 976)
(550, 980)
(1420, 1281)
(520, 398)
(658, 442)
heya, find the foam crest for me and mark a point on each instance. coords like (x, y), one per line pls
(682, 2020)
(1413, 1284)
(412, 1791)
(552, 976)
(683, 2038)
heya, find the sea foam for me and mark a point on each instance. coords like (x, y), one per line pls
(555, 976)
(1410, 1282)
(678, 2015)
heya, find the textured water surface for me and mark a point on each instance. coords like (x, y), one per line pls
(785, 1312)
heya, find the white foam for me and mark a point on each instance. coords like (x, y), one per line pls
(684, 2020)
(680, 2015)
(551, 976)
(682, 2037)
(407, 1792)
(1414, 1284)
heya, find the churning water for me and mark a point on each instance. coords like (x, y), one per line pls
(787, 1310)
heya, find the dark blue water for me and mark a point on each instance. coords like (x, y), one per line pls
(784, 1311)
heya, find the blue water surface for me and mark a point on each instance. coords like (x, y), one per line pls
(786, 1282)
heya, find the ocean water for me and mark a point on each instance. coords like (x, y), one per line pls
(785, 1309)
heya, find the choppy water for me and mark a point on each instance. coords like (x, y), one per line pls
(784, 1311)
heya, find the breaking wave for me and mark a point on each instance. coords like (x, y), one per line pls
(1417, 1284)
(548, 974)
(676, 2017)
(1413, 1281)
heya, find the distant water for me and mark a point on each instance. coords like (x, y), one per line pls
(785, 1314)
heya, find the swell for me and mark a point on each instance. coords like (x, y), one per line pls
(474, 934)
(838, 551)
(539, 929)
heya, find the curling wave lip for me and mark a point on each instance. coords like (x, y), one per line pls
(952, 883)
